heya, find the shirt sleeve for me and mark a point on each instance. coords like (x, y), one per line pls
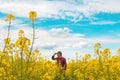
(65, 64)
(53, 58)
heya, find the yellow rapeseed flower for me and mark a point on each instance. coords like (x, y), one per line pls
(21, 33)
(9, 17)
(23, 42)
(32, 15)
(106, 51)
(118, 52)
(7, 41)
(37, 51)
(97, 45)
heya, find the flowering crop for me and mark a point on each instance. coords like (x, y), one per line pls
(18, 61)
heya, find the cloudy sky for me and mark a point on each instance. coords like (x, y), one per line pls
(66, 25)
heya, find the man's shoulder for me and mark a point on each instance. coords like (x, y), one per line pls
(63, 57)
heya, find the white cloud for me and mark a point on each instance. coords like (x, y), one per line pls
(59, 32)
(108, 6)
(60, 38)
(48, 46)
(104, 22)
(56, 38)
(71, 10)
(2, 23)
(105, 40)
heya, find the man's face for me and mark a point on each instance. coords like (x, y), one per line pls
(58, 55)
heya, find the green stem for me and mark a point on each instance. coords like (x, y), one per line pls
(12, 65)
(33, 38)
(9, 28)
(21, 68)
(8, 33)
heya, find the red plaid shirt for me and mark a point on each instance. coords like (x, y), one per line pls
(61, 61)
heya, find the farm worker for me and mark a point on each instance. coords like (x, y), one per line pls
(61, 62)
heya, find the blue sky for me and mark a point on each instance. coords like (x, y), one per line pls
(67, 25)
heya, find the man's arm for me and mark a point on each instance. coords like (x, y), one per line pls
(53, 56)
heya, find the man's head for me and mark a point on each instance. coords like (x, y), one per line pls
(59, 54)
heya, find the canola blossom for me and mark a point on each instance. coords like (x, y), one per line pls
(32, 15)
(19, 62)
(9, 17)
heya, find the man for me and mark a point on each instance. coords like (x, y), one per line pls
(61, 61)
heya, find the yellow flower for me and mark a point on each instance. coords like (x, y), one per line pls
(118, 51)
(21, 33)
(32, 15)
(37, 51)
(9, 17)
(97, 45)
(7, 41)
(26, 52)
(87, 56)
(106, 51)
(23, 42)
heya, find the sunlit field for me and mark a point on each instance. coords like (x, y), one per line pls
(20, 61)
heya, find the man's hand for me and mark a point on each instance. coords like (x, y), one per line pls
(54, 54)
(53, 57)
